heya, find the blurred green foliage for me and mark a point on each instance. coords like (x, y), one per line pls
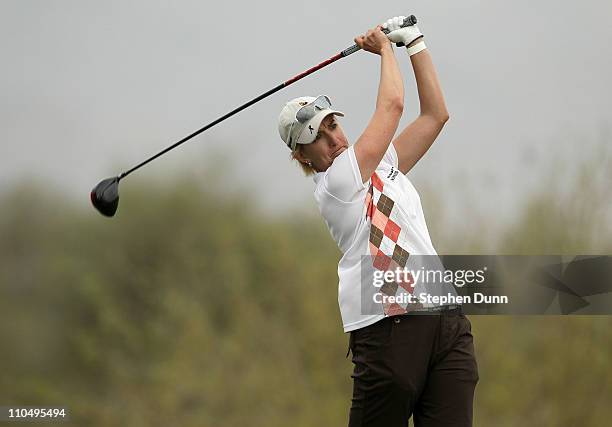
(190, 309)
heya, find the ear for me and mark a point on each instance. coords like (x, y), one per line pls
(299, 156)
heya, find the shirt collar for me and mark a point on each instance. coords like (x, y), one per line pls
(317, 177)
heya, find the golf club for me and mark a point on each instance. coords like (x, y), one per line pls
(105, 195)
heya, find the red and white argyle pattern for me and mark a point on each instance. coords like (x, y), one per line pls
(385, 237)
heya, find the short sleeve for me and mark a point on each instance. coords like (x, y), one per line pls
(390, 157)
(343, 178)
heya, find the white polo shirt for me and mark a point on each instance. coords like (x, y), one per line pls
(378, 225)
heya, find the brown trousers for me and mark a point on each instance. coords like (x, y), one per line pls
(415, 364)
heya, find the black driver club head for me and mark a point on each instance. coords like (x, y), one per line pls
(105, 196)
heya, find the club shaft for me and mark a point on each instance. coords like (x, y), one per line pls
(346, 52)
(236, 110)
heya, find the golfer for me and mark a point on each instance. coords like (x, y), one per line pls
(411, 357)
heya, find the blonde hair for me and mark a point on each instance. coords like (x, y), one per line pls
(308, 170)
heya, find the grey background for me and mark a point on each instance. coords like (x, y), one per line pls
(91, 88)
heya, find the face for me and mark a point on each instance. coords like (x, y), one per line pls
(329, 144)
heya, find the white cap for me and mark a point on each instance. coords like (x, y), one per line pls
(293, 132)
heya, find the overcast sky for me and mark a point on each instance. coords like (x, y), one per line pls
(90, 88)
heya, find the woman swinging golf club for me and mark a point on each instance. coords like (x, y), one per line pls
(405, 363)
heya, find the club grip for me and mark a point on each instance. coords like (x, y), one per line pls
(408, 22)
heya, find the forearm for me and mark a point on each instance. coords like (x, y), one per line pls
(431, 98)
(391, 85)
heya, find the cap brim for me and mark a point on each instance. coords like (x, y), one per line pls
(311, 128)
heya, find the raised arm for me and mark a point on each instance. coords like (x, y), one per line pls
(373, 143)
(414, 141)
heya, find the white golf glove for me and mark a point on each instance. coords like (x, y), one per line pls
(401, 36)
